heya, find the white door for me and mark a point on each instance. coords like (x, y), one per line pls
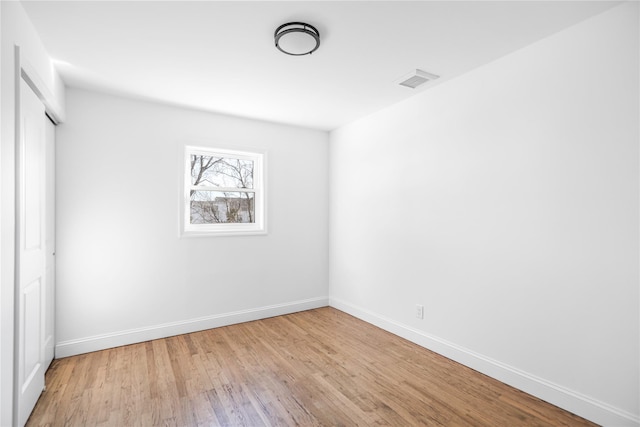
(50, 241)
(31, 259)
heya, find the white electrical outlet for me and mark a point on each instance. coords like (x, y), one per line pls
(420, 311)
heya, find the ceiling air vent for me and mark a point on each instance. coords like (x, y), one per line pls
(416, 78)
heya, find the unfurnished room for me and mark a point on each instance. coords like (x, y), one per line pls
(320, 213)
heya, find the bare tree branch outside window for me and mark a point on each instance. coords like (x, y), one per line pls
(224, 197)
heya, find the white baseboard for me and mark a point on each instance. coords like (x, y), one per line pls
(132, 336)
(584, 406)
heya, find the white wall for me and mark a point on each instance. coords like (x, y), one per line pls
(16, 30)
(125, 275)
(506, 202)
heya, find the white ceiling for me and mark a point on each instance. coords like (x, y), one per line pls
(220, 56)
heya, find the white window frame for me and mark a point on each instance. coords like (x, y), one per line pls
(225, 229)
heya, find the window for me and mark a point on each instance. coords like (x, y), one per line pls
(223, 192)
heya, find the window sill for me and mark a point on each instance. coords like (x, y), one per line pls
(222, 233)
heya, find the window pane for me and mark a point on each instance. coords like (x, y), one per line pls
(213, 207)
(221, 171)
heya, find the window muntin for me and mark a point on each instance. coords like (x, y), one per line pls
(224, 192)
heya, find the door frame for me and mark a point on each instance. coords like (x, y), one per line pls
(24, 71)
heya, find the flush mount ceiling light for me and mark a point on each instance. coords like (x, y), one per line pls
(297, 38)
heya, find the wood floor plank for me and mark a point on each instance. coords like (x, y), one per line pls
(315, 368)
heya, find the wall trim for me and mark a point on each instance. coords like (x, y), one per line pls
(52, 106)
(137, 335)
(577, 403)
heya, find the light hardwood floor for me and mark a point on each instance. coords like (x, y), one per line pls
(319, 367)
